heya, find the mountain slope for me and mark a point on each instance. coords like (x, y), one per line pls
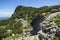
(27, 14)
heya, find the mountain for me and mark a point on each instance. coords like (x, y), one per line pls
(21, 15)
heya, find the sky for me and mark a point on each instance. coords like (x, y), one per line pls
(7, 7)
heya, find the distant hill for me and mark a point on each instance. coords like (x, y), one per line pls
(3, 18)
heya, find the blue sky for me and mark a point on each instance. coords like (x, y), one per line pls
(7, 7)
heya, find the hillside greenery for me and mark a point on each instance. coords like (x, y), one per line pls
(27, 13)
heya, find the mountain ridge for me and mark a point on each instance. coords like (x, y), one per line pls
(27, 14)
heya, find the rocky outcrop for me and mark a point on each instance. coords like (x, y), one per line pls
(36, 24)
(47, 29)
(47, 32)
(35, 37)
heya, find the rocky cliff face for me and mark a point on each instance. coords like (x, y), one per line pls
(36, 23)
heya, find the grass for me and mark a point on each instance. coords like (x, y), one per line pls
(57, 38)
(13, 37)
